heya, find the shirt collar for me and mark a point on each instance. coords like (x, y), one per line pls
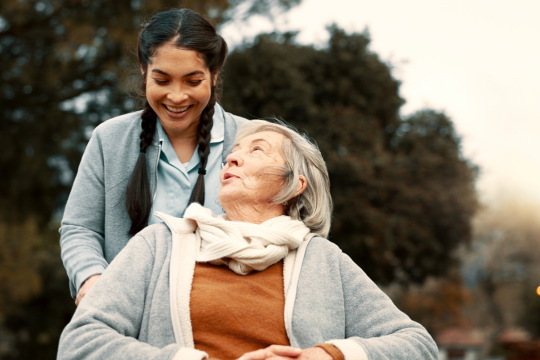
(216, 136)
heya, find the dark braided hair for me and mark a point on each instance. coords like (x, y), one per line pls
(188, 30)
(203, 138)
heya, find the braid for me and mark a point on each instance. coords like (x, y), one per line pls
(205, 127)
(148, 125)
(138, 194)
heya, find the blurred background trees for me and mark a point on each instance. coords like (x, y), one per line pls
(502, 269)
(404, 194)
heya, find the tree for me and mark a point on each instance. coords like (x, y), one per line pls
(403, 192)
(437, 304)
(64, 64)
(501, 266)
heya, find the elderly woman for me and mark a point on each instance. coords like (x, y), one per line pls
(256, 283)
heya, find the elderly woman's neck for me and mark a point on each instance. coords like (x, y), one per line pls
(254, 213)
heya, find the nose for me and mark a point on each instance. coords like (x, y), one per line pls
(235, 159)
(177, 94)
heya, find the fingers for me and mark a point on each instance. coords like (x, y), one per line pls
(272, 352)
(80, 295)
(281, 350)
(315, 353)
(86, 285)
(256, 355)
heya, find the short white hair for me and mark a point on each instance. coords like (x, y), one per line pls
(302, 157)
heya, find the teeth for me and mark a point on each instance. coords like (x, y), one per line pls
(176, 109)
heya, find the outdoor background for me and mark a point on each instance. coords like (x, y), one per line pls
(425, 111)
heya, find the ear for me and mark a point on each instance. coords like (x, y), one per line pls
(302, 184)
(142, 71)
(214, 80)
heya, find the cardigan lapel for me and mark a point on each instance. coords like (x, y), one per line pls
(182, 267)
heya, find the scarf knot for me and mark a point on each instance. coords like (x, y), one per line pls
(244, 247)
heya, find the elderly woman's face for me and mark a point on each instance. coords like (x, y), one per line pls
(248, 176)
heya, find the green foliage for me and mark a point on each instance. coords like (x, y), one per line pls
(19, 265)
(35, 304)
(403, 193)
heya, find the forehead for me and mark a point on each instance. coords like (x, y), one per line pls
(274, 139)
(171, 58)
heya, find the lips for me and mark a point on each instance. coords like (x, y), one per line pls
(228, 175)
(177, 109)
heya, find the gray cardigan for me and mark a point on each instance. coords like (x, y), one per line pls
(139, 308)
(95, 224)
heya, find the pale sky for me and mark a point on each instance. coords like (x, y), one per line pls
(477, 60)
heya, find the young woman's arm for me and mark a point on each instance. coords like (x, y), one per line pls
(82, 231)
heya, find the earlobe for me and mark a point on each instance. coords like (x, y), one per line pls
(302, 184)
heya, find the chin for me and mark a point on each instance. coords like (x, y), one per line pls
(226, 196)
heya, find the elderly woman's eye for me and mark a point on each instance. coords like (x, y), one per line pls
(257, 148)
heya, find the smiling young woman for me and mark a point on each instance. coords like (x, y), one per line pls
(162, 158)
(179, 94)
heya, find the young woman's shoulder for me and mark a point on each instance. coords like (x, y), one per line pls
(120, 126)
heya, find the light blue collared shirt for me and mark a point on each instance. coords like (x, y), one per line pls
(176, 180)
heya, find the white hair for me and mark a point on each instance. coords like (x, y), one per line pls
(302, 157)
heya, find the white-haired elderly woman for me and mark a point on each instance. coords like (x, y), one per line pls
(260, 282)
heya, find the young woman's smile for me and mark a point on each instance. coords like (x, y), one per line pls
(178, 88)
(177, 112)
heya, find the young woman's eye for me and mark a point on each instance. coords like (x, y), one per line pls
(160, 82)
(194, 82)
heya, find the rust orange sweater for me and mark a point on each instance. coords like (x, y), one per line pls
(233, 314)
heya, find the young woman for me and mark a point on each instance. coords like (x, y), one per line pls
(159, 159)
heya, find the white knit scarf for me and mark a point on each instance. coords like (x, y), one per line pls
(242, 246)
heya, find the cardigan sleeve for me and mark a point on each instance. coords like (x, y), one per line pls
(107, 322)
(386, 332)
(82, 230)
(332, 350)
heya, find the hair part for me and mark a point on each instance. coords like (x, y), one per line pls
(302, 157)
(188, 30)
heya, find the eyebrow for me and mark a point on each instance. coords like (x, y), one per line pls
(260, 140)
(252, 141)
(196, 72)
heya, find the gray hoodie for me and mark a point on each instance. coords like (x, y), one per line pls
(139, 308)
(95, 224)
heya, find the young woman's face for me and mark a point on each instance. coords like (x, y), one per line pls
(178, 88)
